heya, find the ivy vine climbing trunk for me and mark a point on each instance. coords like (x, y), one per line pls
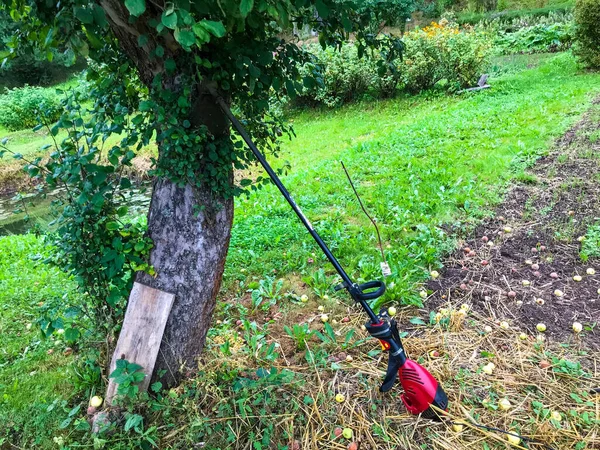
(189, 225)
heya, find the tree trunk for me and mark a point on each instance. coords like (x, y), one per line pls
(189, 257)
(190, 227)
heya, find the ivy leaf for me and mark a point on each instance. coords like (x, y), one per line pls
(215, 28)
(202, 34)
(185, 37)
(136, 7)
(246, 6)
(169, 20)
(84, 15)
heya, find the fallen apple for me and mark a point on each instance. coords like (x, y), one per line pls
(96, 401)
(515, 440)
(504, 404)
(457, 427)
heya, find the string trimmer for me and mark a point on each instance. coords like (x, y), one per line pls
(422, 393)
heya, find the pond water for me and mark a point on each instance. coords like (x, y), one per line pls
(17, 216)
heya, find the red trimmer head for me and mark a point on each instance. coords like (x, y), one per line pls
(422, 391)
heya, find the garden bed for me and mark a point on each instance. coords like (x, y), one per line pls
(538, 236)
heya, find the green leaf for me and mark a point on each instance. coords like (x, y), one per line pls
(417, 321)
(246, 6)
(201, 32)
(74, 411)
(136, 7)
(215, 28)
(169, 20)
(145, 105)
(111, 226)
(84, 15)
(121, 363)
(185, 37)
(170, 65)
(71, 334)
(322, 9)
(133, 421)
(132, 367)
(156, 387)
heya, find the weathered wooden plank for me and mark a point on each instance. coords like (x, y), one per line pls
(142, 331)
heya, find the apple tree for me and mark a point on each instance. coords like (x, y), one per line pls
(150, 65)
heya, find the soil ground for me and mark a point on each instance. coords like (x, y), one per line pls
(535, 237)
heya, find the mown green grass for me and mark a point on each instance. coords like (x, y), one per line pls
(30, 379)
(422, 165)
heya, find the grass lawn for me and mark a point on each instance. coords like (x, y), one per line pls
(423, 165)
(427, 167)
(34, 375)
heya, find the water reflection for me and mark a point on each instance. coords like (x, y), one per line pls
(20, 214)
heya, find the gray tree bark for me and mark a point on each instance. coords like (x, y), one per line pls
(189, 257)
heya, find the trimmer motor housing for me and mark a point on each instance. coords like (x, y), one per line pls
(421, 389)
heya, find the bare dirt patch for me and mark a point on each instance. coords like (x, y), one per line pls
(514, 265)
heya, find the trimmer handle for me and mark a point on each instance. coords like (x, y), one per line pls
(380, 285)
(358, 291)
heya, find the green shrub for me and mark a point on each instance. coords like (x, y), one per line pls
(587, 32)
(20, 107)
(440, 53)
(345, 77)
(473, 18)
(513, 24)
(539, 38)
